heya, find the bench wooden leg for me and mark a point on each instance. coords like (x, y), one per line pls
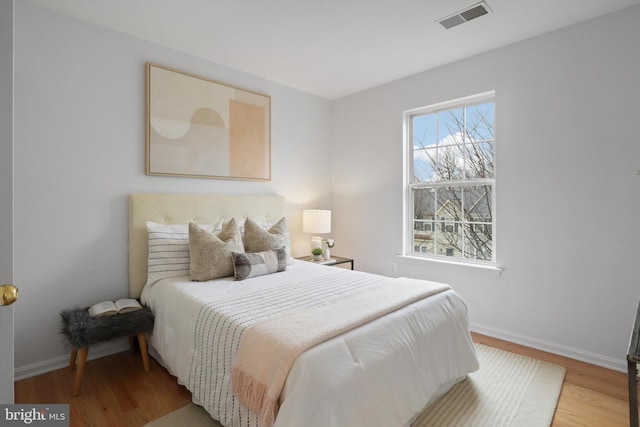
(72, 359)
(633, 393)
(143, 350)
(80, 372)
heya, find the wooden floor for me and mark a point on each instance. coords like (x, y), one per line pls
(116, 392)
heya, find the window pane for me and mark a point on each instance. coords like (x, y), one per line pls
(478, 160)
(480, 121)
(449, 239)
(450, 163)
(477, 203)
(423, 237)
(478, 242)
(450, 127)
(449, 203)
(424, 131)
(424, 165)
(424, 202)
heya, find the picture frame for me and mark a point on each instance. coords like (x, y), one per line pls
(201, 128)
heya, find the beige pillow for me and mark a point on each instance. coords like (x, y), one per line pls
(257, 239)
(210, 254)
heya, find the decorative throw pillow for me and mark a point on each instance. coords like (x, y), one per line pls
(264, 225)
(210, 255)
(257, 239)
(247, 265)
(169, 249)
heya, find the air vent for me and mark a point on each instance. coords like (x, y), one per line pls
(465, 15)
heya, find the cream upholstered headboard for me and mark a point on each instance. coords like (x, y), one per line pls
(182, 209)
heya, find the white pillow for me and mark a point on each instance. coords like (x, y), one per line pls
(169, 249)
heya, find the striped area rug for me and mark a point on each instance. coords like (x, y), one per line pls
(508, 390)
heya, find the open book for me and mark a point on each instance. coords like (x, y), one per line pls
(109, 308)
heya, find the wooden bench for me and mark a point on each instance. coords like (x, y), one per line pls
(633, 358)
(83, 331)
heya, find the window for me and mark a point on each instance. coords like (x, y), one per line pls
(450, 180)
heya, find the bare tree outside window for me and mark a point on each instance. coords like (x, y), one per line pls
(451, 181)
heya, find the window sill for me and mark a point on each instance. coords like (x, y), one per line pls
(491, 269)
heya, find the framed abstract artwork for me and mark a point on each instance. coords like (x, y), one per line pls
(197, 127)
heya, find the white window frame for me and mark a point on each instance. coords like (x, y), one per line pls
(408, 249)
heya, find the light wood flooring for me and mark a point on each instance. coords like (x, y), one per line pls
(116, 391)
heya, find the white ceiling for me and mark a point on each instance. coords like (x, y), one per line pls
(331, 48)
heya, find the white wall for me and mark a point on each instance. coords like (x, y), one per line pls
(568, 198)
(79, 152)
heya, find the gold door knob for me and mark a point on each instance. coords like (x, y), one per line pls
(9, 294)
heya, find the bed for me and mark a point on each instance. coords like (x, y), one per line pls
(382, 373)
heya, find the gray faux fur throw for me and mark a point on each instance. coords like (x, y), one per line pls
(83, 330)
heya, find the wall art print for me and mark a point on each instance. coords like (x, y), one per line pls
(197, 127)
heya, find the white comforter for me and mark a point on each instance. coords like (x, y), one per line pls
(382, 374)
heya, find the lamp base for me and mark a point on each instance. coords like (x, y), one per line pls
(316, 242)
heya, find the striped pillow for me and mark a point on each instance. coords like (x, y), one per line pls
(247, 265)
(169, 249)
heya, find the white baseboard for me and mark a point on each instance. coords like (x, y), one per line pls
(550, 347)
(63, 361)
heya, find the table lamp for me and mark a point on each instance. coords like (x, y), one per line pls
(316, 221)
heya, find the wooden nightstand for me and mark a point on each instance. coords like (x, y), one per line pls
(335, 260)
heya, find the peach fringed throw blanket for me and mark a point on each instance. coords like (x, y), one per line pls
(268, 349)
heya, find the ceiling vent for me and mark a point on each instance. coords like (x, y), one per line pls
(465, 15)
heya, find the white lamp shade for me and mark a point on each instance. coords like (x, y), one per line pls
(316, 221)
